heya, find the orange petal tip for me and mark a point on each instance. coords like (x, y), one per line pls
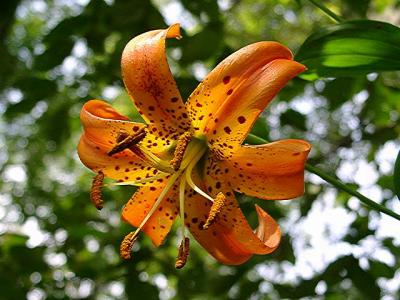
(174, 31)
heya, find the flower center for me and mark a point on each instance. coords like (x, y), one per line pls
(188, 152)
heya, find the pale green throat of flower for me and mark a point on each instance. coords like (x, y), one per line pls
(188, 151)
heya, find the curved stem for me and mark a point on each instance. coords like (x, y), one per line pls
(326, 10)
(335, 182)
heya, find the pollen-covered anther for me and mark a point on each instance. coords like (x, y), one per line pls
(125, 141)
(183, 254)
(127, 244)
(216, 208)
(183, 142)
(95, 192)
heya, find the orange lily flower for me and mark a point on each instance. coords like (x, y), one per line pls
(188, 159)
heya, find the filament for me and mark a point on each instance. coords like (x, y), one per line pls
(163, 193)
(182, 186)
(189, 179)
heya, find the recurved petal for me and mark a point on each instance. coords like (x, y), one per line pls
(102, 127)
(266, 238)
(227, 103)
(271, 171)
(151, 85)
(229, 239)
(215, 240)
(124, 166)
(104, 124)
(161, 221)
(215, 89)
(234, 119)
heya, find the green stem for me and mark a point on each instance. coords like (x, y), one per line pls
(326, 10)
(335, 182)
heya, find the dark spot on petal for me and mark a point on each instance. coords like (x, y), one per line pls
(226, 79)
(241, 119)
(227, 129)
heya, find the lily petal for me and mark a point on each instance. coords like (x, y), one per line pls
(227, 103)
(161, 221)
(103, 123)
(151, 85)
(214, 240)
(212, 93)
(102, 126)
(267, 236)
(229, 239)
(271, 171)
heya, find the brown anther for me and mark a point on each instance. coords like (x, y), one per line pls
(136, 150)
(125, 141)
(183, 142)
(183, 254)
(95, 192)
(126, 245)
(215, 210)
(121, 136)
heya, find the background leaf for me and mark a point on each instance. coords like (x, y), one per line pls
(351, 48)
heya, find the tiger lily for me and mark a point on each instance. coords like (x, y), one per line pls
(188, 159)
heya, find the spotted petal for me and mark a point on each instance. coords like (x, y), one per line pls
(161, 221)
(102, 126)
(270, 171)
(230, 239)
(214, 240)
(151, 85)
(235, 224)
(229, 100)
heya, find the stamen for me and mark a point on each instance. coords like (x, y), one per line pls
(151, 159)
(163, 193)
(127, 245)
(215, 210)
(183, 254)
(189, 179)
(125, 141)
(182, 186)
(95, 192)
(183, 142)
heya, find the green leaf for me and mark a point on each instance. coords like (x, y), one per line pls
(351, 48)
(396, 176)
(294, 118)
(261, 128)
(380, 269)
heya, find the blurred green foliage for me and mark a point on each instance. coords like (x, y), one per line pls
(55, 55)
